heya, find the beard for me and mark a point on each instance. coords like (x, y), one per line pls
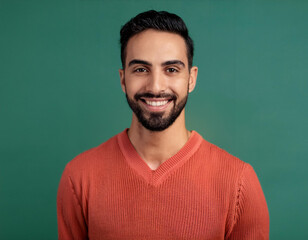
(155, 121)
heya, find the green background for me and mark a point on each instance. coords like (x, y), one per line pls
(60, 94)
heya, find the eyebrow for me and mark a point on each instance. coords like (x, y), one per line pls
(170, 62)
(137, 61)
(173, 62)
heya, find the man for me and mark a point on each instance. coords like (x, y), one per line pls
(157, 180)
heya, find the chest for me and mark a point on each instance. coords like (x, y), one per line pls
(179, 208)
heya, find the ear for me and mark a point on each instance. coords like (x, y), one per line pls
(192, 78)
(122, 79)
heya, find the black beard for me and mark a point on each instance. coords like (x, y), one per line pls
(155, 121)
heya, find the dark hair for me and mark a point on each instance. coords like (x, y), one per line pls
(162, 21)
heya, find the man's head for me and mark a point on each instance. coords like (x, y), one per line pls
(156, 75)
(161, 21)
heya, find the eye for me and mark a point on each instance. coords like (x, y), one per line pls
(140, 70)
(172, 70)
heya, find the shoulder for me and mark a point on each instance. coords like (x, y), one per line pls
(94, 158)
(220, 159)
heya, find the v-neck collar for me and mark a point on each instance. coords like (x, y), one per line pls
(155, 177)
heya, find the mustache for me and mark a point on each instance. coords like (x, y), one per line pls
(151, 95)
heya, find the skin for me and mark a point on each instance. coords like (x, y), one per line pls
(156, 62)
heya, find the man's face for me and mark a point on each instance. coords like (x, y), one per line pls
(156, 79)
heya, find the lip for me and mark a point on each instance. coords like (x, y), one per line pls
(156, 99)
(156, 108)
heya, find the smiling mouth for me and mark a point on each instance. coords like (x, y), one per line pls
(156, 104)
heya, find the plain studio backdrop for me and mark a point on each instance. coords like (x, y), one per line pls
(60, 94)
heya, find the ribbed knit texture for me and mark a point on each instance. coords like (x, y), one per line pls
(202, 192)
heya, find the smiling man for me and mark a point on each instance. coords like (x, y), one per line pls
(158, 180)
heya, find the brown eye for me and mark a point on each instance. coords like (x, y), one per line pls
(140, 70)
(172, 70)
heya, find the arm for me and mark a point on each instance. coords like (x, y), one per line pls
(251, 218)
(71, 220)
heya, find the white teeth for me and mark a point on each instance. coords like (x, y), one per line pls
(157, 103)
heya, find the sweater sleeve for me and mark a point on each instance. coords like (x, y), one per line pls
(251, 217)
(71, 220)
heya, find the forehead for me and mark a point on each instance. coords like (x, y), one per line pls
(156, 47)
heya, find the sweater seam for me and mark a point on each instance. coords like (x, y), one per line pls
(239, 187)
(74, 192)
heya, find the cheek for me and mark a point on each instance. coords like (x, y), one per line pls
(132, 87)
(135, 84)
(180, 86)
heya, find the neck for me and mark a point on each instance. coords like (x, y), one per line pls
(157, 147)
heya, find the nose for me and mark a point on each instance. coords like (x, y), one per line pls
(156, 83)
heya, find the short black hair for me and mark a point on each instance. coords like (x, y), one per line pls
(162, 21)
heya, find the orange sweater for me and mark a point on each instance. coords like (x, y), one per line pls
(202, 192)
